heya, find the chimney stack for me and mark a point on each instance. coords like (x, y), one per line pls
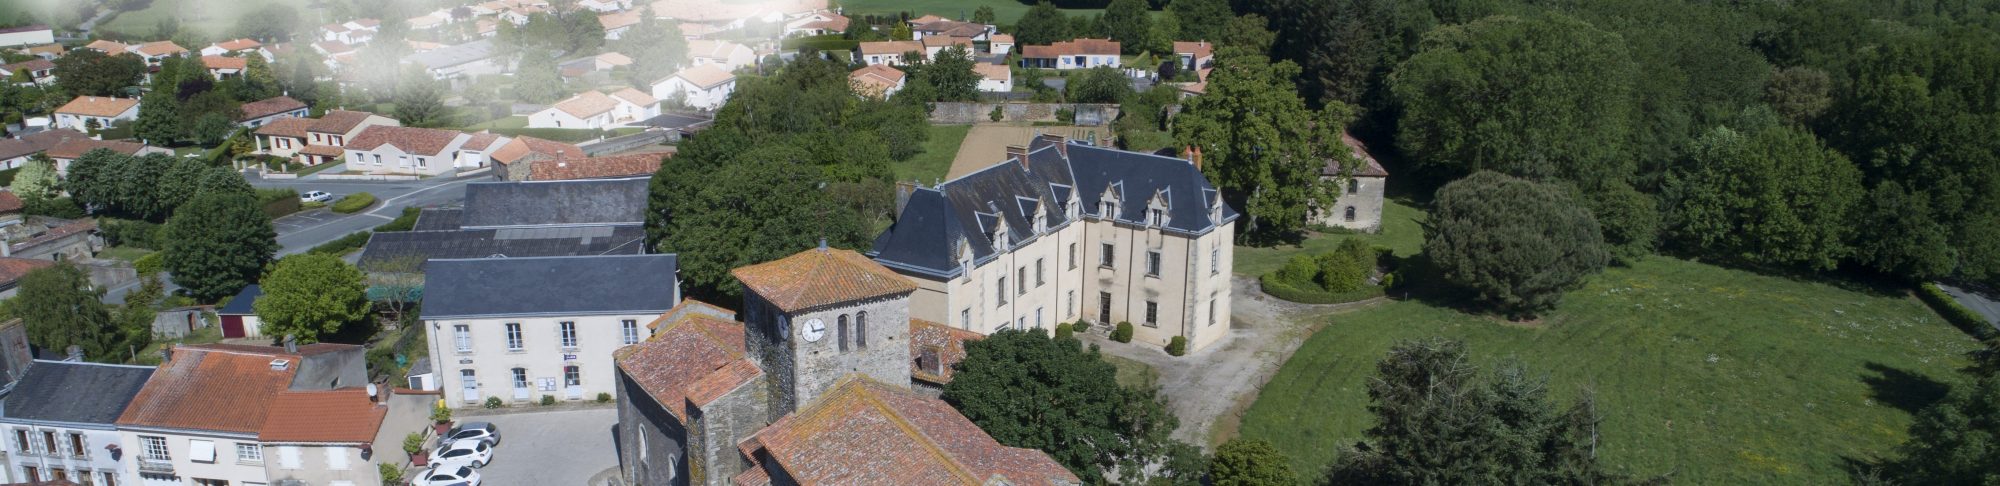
(75, 354)
(1194, 156)
(166, 352)
(1018, 154)
(291, 344)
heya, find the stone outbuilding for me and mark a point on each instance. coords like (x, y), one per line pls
(1359, 207)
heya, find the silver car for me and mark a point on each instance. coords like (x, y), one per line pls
(481, 431)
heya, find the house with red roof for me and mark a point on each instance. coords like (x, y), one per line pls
(257, 113)
(1071, 54)
(383, 149)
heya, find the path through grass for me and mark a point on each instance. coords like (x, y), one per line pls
(1719, 376)
(1402, 231)
(930, 166)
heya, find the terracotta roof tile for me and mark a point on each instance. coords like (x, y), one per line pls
(1198, 49)
(220, 62)
(36, 64)
(705, 76)
(692, 359)
(1091, 47)
(626, 165)
(998, 72)
(272, 106)
(286, 126)
(947, 41)
(634, 96)
(619, 20)
(865, 432)
(1001, 39)
(238, 44)
(934, 348)
(9, 202)
(98, 106)
(480, 141)
(522, 147)
(12, 269)
(818, 277)
(109, 47)
(412, 140)
(344, 416)
(586, 104)
(160, 48)
(211, 389)
(76, 147)
(890, 47)
(338, 121)
(690, 307)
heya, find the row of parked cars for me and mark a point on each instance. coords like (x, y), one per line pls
(460, 453)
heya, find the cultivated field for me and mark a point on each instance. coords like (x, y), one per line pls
(214, 17)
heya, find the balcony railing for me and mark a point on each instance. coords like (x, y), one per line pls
(156, 465)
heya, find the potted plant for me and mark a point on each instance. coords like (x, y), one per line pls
(413, 444)
(442, 417)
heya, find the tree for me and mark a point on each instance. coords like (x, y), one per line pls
(420, 100)
(537, 80)
(160, 121)
(1539, 97)
(272, 23)
(1437, 422)
(1249, 33)
(1261, 146)
(1102, 84)
(91, 179)
(87, 72)
(1517, 244)
(1043, 24)
(1250, 462)
(217, 243)
(758, 209)
(1201, 20)
(257, 82)
(61, 310)
(1029, 390)
(312, 296)
(37, 178)
(656, 47)
(983, 15)
(211, 129)
(1770, 195)
(1799, 93)
(1125, 21)
(949, 75)
(1957, 439)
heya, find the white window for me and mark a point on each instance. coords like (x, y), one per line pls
(461, 337)
(1070, 305)
(1038, 272)
(249, 453)
(514, 336)
(288, 457)
(1001, 292)
(1038, 317)
(336, 458)
(1152, 314)
(568, 334)
(1211, 313)
(1215, 260)
(1152, 263)
(1072, 256)
(1106, 255)
(403, 161)
(154, 447)
(631, 328)
(378, 160)
(1021, 282)
(965, 318)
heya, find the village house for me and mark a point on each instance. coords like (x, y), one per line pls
(257, 113)
(282, 136)
(727, 55)
(105, 111)
(819, 371)
(12, 269)
(27, 35)
(222, 68)
(455, 63)
(237, 47)
(519, 220)
(594, 109)
(69, 149)
(39, 71)
(615, 24)
(704, 87)
(817, 23)
(60, 417)
(603, 6)
(576, 68)
(937, 43)
(156, 51)
(108, 47)
(1061, 231)
(514, 160)
(949, 28)
(1076, 54)
(44, 51)
(383, 149)
(239, 318)
(1194, 56)
(1359, 206)
(1002, 44)
(17, 151)
(877, 81)
(478, 150)
(888, 53)
(518, 343)
(353, 32)
(641, 164)
(994, 78)
(326, 136)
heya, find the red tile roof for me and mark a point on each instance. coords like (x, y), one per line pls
(238, 44)
(76, 147)
(890, 47)
(1369, 166)
(10, 203)
(412, 140)
(1089, 47)
(936, 346)
(626, 165)
(587, 104)
(480, 141)
(220, 62)
(690, 307)
(12, 269)
(821, 276)
(1197, 49)
(689, 361)
(286, 126)
(160, 48)
(272, 106)
(338, 122)
(98, 106)
(344, 416)
(36, 64)
(211, 389)
(524, 146)
(866, 432)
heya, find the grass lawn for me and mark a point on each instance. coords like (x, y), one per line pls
(503, 123)
(1402, 231)
(1004, 11)
(150, 355)
(126, 253)
(1132, 373)
(931, 165)
(214, 18)
(1719, 376)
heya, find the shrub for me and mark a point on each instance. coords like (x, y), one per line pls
(1311, 293)
(494, 402)
(354, 203)
(548, 400)
(1177, 346)
(996, 114)
(1953, 312)
(1340, 272)
(279, 202)
(603, 397)
(413, 443)
(403, 222)
(129, 232)
(1300, 269)
(1065, 115)
(1063, 331)
(1080, 326)
(1516, 244)
(391, 473)
(1124, 332)
(148, 265)
(441, 414)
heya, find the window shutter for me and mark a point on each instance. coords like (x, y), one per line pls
(336, 458)
(288, 457)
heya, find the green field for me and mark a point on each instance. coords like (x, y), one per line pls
(1718, 376)
(214, 17)
(1004, 11)
(931, 165)
(1402, 231)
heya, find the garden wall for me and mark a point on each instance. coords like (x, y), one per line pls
(958, 113)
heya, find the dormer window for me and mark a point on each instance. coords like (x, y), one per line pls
(1157, 217)
(1108, 211)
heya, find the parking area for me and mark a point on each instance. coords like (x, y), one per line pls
(544, 448)
(305, 219)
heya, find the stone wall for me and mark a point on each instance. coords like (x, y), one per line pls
(884, 356)
(969, 113)
(649, 438)
(725, 422)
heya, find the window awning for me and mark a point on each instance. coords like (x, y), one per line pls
(201, 450)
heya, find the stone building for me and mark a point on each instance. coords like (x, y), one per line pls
(818, 374)
(1061, 232)
(1359, 207)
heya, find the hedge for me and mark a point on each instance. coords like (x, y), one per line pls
(358, 239)
(354, 203)
(556, 134)
(1953, 312)
(1313, 294)
(7, 176)
(279, 202)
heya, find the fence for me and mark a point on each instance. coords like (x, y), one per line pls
(968, 113)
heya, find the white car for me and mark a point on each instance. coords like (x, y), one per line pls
(315, 196)
(447, 476)
(475, 453)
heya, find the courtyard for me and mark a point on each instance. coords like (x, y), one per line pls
(569, 446)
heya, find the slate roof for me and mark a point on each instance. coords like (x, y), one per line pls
(343, 416)
(270, 106)
(865, 432)
(201, 388)
(285, 126)
(423, 246)
(625, 165)
(434, 219)
(819, 277)
(926, 236)
(582, 202)
(691, 359)
(84, 393)
(243, 303)
(455, 55)
(550, 286)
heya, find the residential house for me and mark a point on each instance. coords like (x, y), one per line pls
(12, 269)
(60, 417)
(17, 151)
(615, 24)
(1362, 185)
(594, 109)
(39, 71)
(69, 149)
(889, 53)
(53, 239)
(222, 68)
(257, 113)
(604, 6)
(734, 14)
(27, 35)
(44, 51)
(705, 87)
(476, 58)
(242, 414)
(727, 55)
(383, 149)
(11, 207)
(516, 158)
(576, 68)
(282, 136)
(604, 167)
(478, 150)
(1001, 44)
(358, 31)
(326, 136)
(154, 52)
(555, 338)
(936, 43)
(951, 28)
(332, 48)
(429, 21)
(237, 47)
(1062, 231)
(877, 81)
(819, 372)
(108, 47)
(106, 111)
(1194, 56)
(994, 78)
(817, 23)
(239, 318)
(1076, 54)
(519, 220)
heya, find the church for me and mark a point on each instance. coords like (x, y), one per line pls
(812, 386)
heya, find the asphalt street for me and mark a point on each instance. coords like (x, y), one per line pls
(1985, 305)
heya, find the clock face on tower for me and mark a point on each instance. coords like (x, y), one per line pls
(813, 330)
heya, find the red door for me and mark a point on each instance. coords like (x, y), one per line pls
(232, 326)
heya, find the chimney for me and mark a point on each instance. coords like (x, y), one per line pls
(903, 191)
(291, 344)
(1018, 154)
(1194, 156)
(166, 352)
(1060, 142)
(75, 354)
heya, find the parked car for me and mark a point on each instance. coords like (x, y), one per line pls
(447, 476)
(481, 431)
(471, 452)
(315, 196)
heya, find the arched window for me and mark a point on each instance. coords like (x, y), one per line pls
(842, 332)
(1353, 185)
(1350, 213)
(861, 330)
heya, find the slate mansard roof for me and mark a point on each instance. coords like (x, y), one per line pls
(78, 393)
(385, 249)
(578, 202)
(550, 286)
(924, 238)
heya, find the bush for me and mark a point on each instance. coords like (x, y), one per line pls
(1953, 312)
(354, 203)
(1300, 269)
(1065, 115)
(995, 115)
(391, 473)
(1515, 244)
(1177, 346)
(603, 397)
(149, 265)
(494, 402)
(54, 207)
(1340, 272)
(1311, 293)
(1063, 331)
(344, 244)
(1080, 326)
(441, 414)
(1124, 332)
(404, 222)
(413, 443)
(7, 176)
(130, 232)
(548, 400)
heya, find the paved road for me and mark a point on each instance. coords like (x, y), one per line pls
(1985, 305)
(544, 448)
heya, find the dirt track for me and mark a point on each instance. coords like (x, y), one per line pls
(987, 144)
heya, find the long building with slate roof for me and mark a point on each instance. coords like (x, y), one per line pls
(59, 417)
(1061, 232)
(521, 219)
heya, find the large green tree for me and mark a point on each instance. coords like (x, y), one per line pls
(1518, 245)
(1201, 20)
(420, 100)
(946, 77)
(1261, 145)
(61, 311)
(1102, 84)
(1126, 21)
(312, 297)
(538, 80)
(1250, 462)
(1957, 439)
(1770, 194)
(86, 72)
(217, 243)
(1041, 25)
(761, 206)
(1545, 97)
